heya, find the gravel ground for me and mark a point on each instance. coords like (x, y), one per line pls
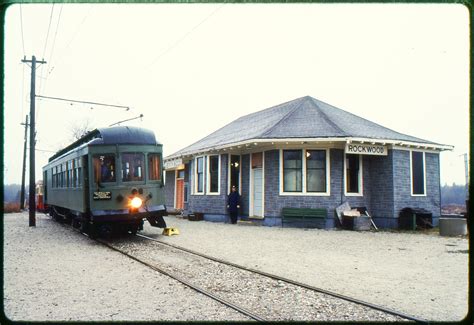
(271, 299)
(54, 273)
(421, 274)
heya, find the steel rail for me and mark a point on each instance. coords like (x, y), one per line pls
(183, 281)
(300, 284)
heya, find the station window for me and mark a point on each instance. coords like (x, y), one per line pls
(104, 168)
(353, 174)
(418, 173)
(132, 167)
(304, 171)
(213, 174)
(292, 170)
(200, 175)
(316, 170)
(154, 167)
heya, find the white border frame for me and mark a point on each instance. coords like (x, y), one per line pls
(208, 175)
(303, 181)
(240, 172)
(411, 173)
(203, 175)
(360, 191)
(251, 206)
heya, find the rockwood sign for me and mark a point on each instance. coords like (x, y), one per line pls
(364, 149)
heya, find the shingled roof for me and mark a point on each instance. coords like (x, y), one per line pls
(302, 118)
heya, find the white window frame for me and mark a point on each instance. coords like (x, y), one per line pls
(411, 173)
(208, 175)
(228, 172)
(203, 175)
(360, 191)
(303, 184)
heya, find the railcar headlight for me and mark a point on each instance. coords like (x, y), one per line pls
(136, 202)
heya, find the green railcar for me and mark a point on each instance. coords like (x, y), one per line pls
(112, 178)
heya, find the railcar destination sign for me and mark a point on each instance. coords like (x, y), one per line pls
(102, 195)
(366, 149)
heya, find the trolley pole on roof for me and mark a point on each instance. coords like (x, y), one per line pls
(32, 199)
(23, 171)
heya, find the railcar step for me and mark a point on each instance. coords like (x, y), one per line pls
(169, 231)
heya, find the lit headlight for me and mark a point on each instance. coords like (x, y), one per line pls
(136, 202)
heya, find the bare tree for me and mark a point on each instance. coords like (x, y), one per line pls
(80, 129)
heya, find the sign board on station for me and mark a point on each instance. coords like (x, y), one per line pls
(172, 164)
(366, 149)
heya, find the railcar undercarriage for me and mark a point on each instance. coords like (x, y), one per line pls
(109, 224)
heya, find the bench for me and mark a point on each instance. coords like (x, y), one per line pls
(312, 218)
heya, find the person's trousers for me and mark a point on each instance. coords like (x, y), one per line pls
(233, 216)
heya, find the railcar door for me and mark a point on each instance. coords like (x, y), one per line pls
(85, 182)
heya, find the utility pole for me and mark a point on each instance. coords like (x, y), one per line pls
(23, 171)
(32, 199)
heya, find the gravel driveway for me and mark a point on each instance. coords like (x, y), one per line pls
(54, 273)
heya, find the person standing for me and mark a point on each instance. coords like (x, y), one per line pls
(233, 204)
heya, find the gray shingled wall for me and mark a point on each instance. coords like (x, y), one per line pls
(169, 188)
(402, 184)
(381, 205)
(386, 181)
(213, 206)
(274, 203)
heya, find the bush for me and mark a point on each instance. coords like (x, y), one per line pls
(10, 207)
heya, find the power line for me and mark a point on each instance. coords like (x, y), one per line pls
(185, 36)
(72, 39)
(55, 35)
(44, 52)
(21, 24)
(83, 102)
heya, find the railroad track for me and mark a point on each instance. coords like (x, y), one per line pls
(277, 278)
(235, 306)
(293, 282)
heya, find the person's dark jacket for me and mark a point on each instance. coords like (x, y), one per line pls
(233, 201)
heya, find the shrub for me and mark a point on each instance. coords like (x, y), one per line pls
(10, 207)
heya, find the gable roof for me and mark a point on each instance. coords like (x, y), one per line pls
(302, 118)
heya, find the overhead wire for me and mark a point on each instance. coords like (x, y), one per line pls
(184, 36)
(55, 35)
(70, 42)
(22, 35)
(44, 52)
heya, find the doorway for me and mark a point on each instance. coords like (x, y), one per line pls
(179, 192)
(256, 198)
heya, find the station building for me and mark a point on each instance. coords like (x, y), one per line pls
(305, 154)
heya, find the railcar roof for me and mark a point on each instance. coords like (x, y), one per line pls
(112, 135)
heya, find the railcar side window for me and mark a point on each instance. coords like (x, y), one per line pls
(132, 167)
(104, 168)
(154, 169)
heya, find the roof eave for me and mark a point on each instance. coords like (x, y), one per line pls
(255, 142)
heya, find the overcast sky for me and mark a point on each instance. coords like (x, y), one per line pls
(191, 69)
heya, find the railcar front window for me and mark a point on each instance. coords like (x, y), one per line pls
(154, 167)
(104, 168)
(132, 167)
